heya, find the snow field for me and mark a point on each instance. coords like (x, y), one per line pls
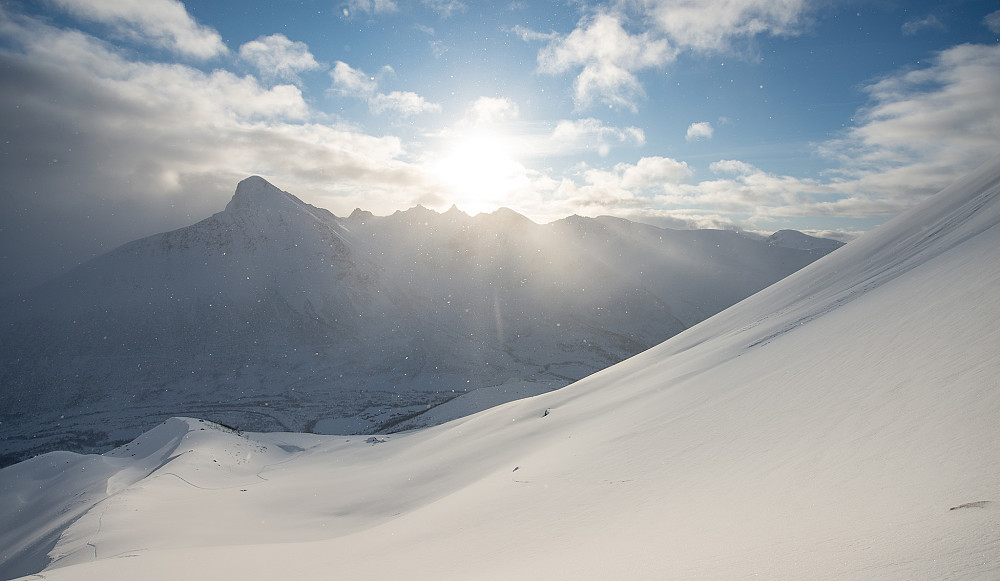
(840, 424)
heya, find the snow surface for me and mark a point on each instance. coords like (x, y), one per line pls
(841, 424)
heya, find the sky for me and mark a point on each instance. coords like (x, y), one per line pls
(123, 119)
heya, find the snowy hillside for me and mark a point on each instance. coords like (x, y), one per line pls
(796, 239)
(277, 315)
(841, 424)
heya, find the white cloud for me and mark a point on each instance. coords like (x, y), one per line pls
(609, 57)
(992, 21)
(918, 25)
(680, 219)
(277, 57)
(702, 130)
(592, 134)
(488, 110)
(445, 8)
(161, 23)
(404, 103)
(754, 192)
(653, 172)
(625, 185)
(611, 47)
(712, 25)
(661, 191)
(529, 35)
(732, 166)
(438, 48)
(351, 82)
(371, 6)
(925, 127)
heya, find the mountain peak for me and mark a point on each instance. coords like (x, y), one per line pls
(257, 193)
(507, 217)
(454, 211)
(359, 214)
(419, 210)
(801, 241)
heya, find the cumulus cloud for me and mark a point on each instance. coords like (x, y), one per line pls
(701, 130)
(751, 191)
(713, 25)
(609, 57)
(610, 48)
(625, 185)
(732, 166)
(763, 197)
(921, 130)
(351, 82)
(488, 110)
(653, 172)
(404, 103)
(161, 23)
(277, 57)
(925, 127)
(663, 191)
(593, 134)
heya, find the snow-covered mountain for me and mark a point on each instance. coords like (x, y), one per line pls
(277, 315)
(841, 424)
(801, 241)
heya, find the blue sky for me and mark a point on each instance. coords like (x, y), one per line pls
(123, 119)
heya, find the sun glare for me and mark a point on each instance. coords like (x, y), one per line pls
(480, 172)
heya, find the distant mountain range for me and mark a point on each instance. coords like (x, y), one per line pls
(277, 315)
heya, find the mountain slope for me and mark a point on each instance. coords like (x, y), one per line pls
(839, 424)
(277, 315)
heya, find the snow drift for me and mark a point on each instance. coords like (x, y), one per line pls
(839, 424)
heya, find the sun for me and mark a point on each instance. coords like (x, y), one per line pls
(480, 172)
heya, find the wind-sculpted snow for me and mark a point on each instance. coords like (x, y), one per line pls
(840, 424)
(277, 315)
(49, 493)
